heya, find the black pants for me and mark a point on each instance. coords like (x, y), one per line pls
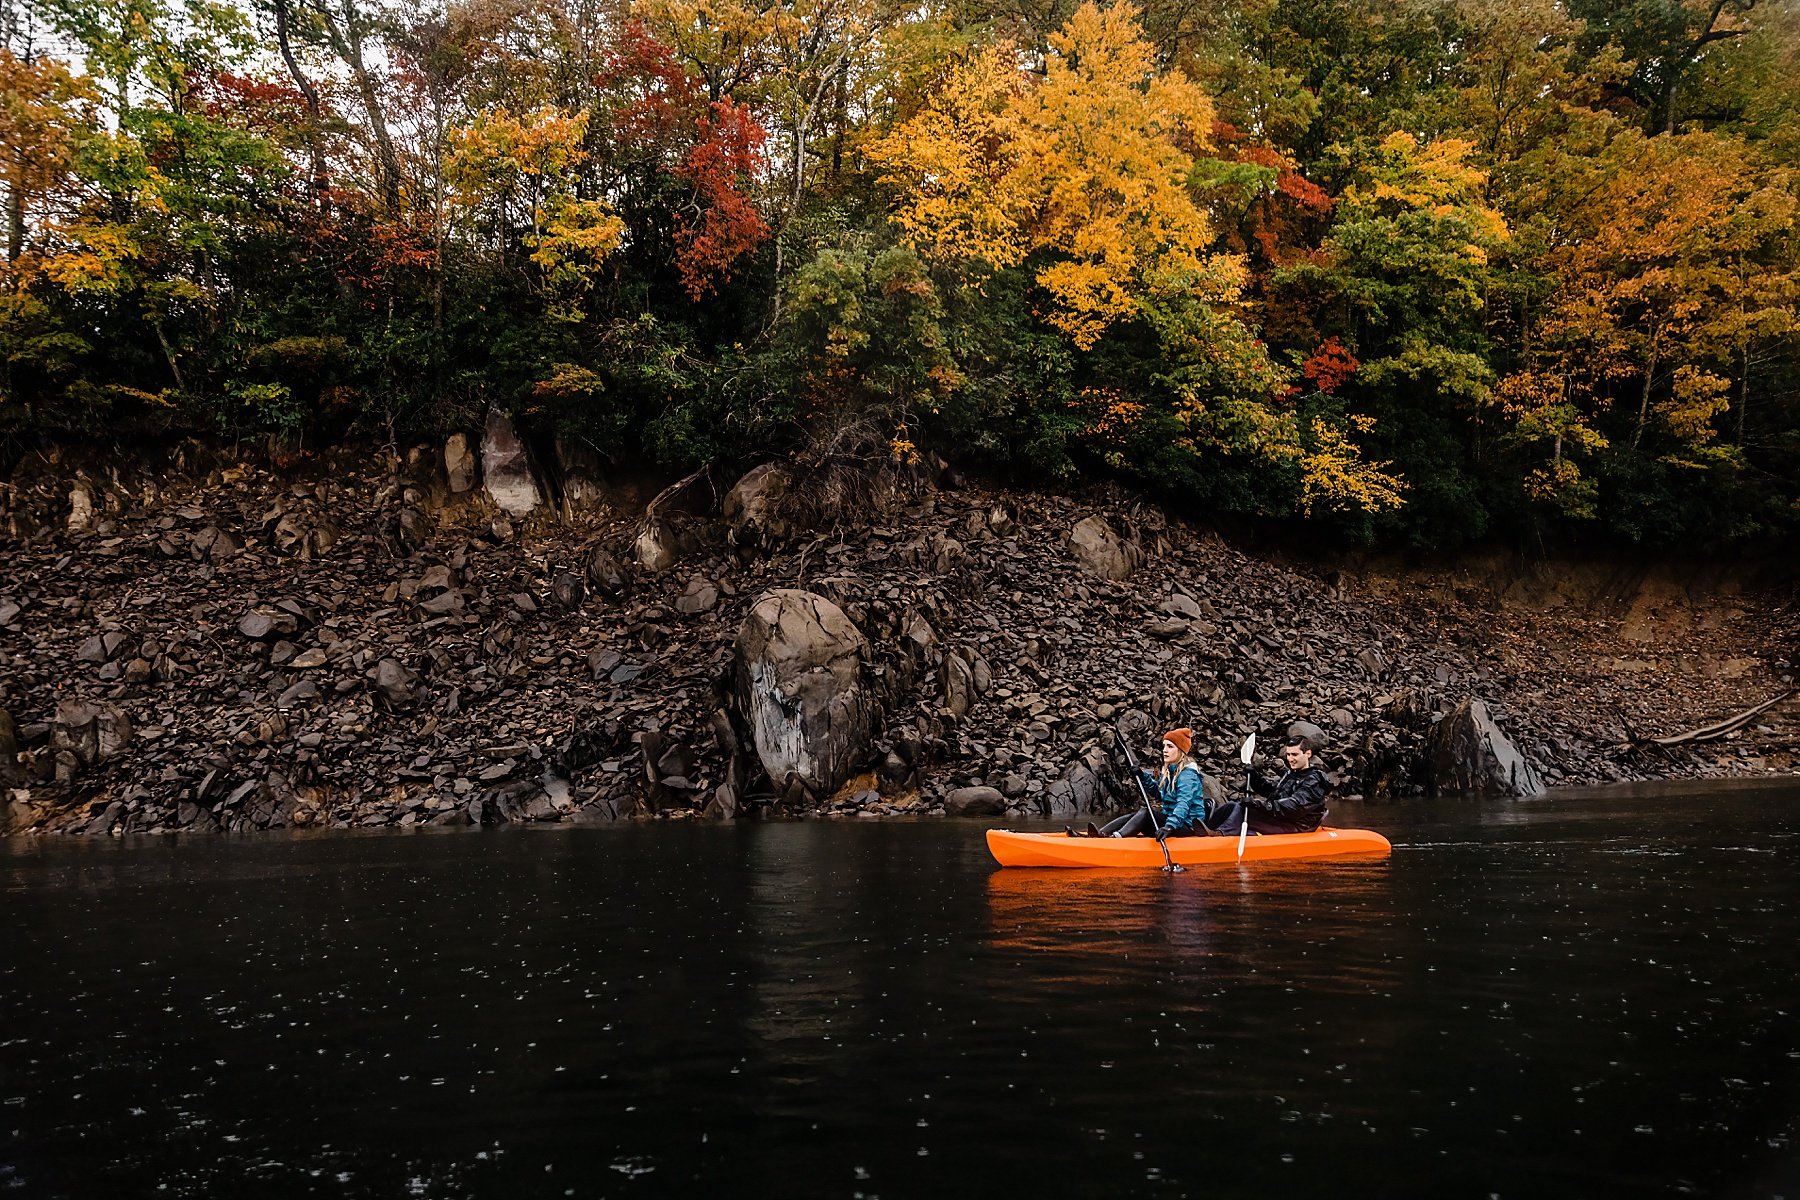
(1137, 824)
(1228, 817)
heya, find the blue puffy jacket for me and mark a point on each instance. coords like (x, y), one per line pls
(1183, 798)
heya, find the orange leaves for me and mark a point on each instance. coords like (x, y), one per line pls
(1085, 169)
(1666, 270)
(728, 226)
(1329, 367)
(45, 115)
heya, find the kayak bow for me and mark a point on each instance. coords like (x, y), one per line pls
(1060, 850)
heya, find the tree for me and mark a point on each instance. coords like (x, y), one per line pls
(1083, 173)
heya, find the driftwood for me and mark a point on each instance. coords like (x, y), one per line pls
(1718, 729)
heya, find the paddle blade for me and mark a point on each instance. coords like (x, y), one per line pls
(1247, 751)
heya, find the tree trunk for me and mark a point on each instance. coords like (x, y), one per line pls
(169, 354)
(315, 149)
(1643, 416)
(15, 223)
(347, 42)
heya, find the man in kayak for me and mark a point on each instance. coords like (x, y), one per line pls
(1181, 788)
(1295, 803)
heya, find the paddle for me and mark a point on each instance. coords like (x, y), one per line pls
(1246, 752)
(1169, 864)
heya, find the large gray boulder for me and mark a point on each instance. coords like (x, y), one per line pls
(753, 506)
(974, 802)
(1467, 752)
(1101, 551)
(506, 468)
(801, 688)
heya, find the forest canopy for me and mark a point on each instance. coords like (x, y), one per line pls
(1423, 272)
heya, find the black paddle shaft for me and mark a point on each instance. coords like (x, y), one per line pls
(1155, 825)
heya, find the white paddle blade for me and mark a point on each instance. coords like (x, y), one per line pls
(1247, 751)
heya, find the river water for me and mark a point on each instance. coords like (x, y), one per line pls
(1589, 995)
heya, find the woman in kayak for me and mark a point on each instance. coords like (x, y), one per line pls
(1181, 787)
(1295, 803)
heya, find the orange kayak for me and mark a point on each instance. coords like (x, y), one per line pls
(1061, 850)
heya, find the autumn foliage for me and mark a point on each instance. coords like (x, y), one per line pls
(1423, 273)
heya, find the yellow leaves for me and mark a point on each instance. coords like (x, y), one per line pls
(958, 157)
(502, 149)
(1696, 398)
(1108, 413)
(1335, 475)
(526, 165)
(1435, 178)
(1086, 168)
(569, 380)
(99, 260)
(576, 236)
(1560, 485)
(902, 447)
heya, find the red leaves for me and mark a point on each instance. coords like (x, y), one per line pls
(661, 99)
(1330, 366)
(254, 103)
(664, 124)
(728, 226)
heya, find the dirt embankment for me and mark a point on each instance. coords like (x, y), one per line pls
(193, 643)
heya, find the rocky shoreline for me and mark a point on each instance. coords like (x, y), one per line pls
(192, 642)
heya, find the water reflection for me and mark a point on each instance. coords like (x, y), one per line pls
(1577, 998)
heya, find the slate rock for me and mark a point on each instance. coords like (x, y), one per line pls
(753, 508)
(568, 590)
(605, 574)
(1469, 753)
(394, 682)
(699, 597)
(974, 802)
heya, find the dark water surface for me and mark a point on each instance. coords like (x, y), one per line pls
(1591, 995)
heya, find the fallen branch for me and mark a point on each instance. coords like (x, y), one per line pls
(1707, 733)
(669, 492)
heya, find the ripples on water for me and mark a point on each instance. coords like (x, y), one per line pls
(1586, 996)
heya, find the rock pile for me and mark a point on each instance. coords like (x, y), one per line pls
(221, 645)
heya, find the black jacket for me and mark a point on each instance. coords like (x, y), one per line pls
(1297, 799)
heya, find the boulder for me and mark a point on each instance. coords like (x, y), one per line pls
(605, 574)
(81, 506)
(801, 687)
(394, 682)
(658, 546)
(1102, 552)
(1313, 737)
(506, 468)
(569, 590)
(1467, 752)
(958, 685)
(974, 802)
(84, 735)
(753, 506)
(580, 468)
(459, 463)
(9, 750)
